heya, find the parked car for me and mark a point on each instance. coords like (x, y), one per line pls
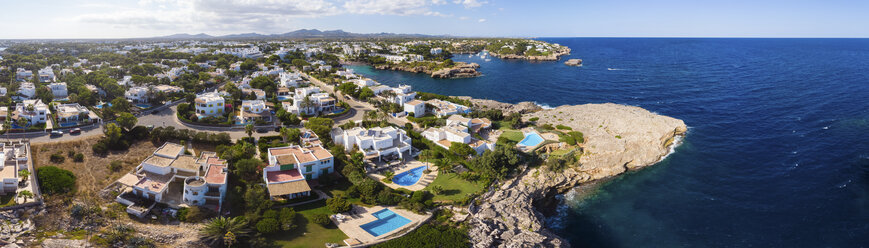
(75, 131)
(56, 133)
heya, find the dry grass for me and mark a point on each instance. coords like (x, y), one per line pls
(93, 174)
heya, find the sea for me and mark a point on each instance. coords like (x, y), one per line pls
(777, 152)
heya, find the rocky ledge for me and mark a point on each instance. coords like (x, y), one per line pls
(459, 70)
(506, 108)
(551, 57)
(573, 62)
(618, 138)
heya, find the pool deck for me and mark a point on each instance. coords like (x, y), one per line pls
(424, 181)
(351, 225)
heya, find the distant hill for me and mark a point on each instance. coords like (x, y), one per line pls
(298, 34)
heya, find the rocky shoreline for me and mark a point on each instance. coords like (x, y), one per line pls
(551, 57)
(618, 138)
(459, 70)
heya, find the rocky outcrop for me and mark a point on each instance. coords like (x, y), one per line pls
(573, 62)
(551, 57)
(459, 70)
(506, 108)
(617, 138)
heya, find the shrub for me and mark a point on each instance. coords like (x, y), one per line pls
(115, 165)
(534, 119)
(338, 205)
(269, 225)
(100, 148)
(287, 216)
(194, 214)
(70, 153)
(436, 189)
(53, 180)
(563, 127)
(57, 158)
(78, 157)
(321, 219)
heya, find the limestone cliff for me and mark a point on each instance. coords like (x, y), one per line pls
(459, 70)
(617, 138)
(551, 57)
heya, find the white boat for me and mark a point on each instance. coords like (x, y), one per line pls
(487, 60)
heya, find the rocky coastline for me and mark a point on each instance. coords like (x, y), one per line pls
(459, 70)
(618, 138)
(554, 56)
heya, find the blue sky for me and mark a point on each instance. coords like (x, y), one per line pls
(562, 18)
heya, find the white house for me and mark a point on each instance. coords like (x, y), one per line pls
(289, 168)
(364, 82)
(46, 75)
(289, 79)
(13, 158)
(403, 94)
(443, 108)
(209, 104)
(3, 91)
(27, 89)
(22, 74)
(58, 89)
(436, 51)
(138, 94)
(252, 110)
(416, 107)
(34, 110)
(378, 142)
(72, 112)
(200, 181)
(459, 129)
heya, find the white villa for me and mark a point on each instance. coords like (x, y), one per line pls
(443, 108)
(378, 142)
(13, 158)
(58, 89)
(34, 110)
(290, 167)
(252, 110)
(209, 104)
(138, 94)
(22, 74)
(289, 79)
(403, 94)
(364, 82)
(72, 112)
(309, 101)
(436, 50)
(172, 177)
(459, 129)
(46, 75)
(168, 89)
(416, 107)
(27, 89)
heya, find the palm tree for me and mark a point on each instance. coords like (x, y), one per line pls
(25, 194)
(249, 130)
(285, 134)
(224, 229)
(24, 174)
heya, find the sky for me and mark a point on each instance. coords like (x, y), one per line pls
(39, 19)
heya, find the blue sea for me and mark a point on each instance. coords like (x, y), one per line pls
(777, 153)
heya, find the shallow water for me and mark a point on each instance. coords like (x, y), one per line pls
(777, 151)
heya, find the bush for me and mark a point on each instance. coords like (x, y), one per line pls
(78, 157)
(116, 165)
(338, 205)
(100, 148)
(269, 225)
(57, 158)
(534, 119)
(70, 153)
(563, 127)
(53, 180)
(194, 214)
(287, 217)
(321, 219)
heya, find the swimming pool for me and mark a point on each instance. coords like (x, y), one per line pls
(531, 140)
(409, 177)
(387, 221)
(143, 105)
(101, 105)
(67, 124)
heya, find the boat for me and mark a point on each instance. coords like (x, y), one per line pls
(487, 60)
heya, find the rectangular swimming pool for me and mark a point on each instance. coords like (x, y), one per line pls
(387, 221)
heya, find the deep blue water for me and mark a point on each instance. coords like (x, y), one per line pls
(777, 152)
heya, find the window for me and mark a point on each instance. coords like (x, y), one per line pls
(308, 168)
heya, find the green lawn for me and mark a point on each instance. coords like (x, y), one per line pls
(308, 233)
(559, 152)
(455, 188)
(513, 135)
(340, 188)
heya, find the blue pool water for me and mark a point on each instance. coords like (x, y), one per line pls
(101, 105)
(143, 105)
(386, 222)
(409, 177)
(531, 140)
(777, 152)
(67, 124)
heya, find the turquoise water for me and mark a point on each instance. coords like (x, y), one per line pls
(143, 105)
(100, 106)
(386, 222)
(777, 152)
(531, 140)
(409, 177)
(68, 124)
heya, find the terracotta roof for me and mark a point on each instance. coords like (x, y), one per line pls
(445, 143)
(279, 189)
(283, 176)
(215, 174)
(321, 153)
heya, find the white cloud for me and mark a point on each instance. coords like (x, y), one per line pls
(471, 3)
(464, 18)
(388, 7)
(481, 20)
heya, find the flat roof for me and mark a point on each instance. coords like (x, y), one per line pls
(169, 150)
(185, 162)
(215, 174)
(159, 161)
(283, 176)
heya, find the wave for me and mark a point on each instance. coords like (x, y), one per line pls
(543, 105)
(676, 142)
(614, 69)
(557, 221)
